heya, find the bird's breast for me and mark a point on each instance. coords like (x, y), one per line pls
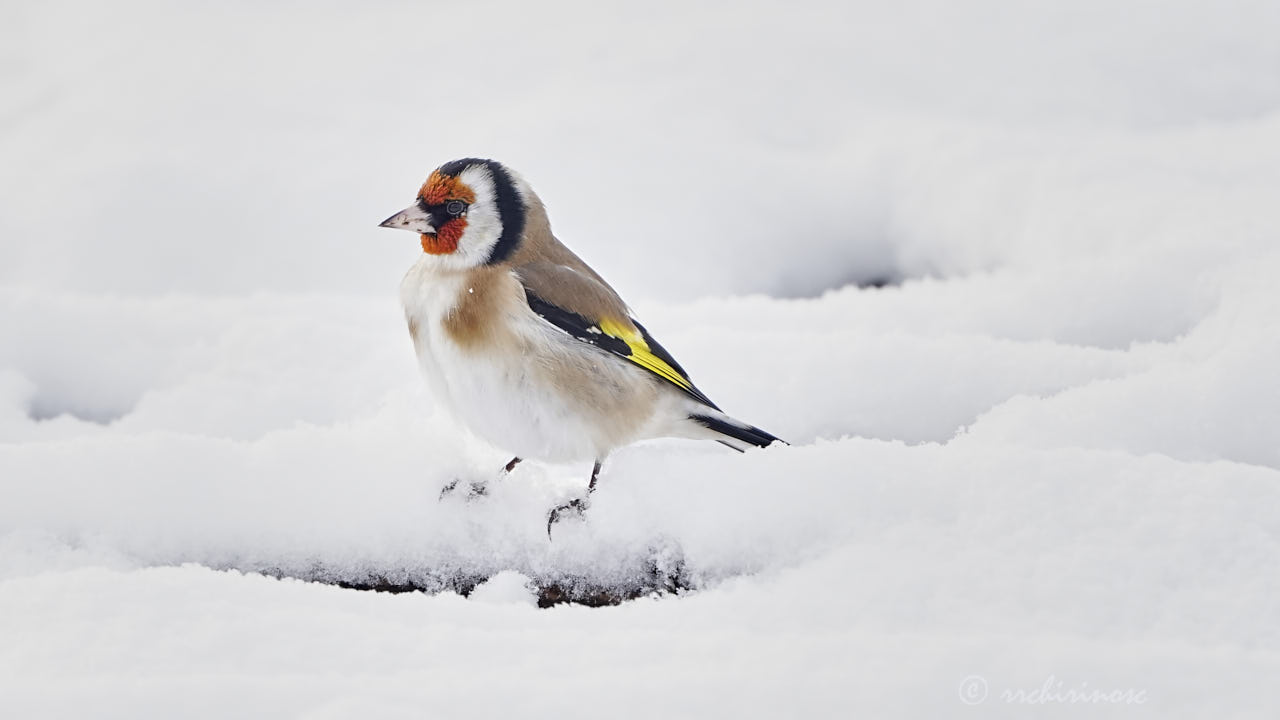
(479, 359)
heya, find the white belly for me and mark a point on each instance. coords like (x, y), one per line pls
(502, 399)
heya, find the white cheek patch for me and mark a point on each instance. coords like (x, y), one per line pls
(484, 225)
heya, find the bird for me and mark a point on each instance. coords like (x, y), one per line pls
(529, 347)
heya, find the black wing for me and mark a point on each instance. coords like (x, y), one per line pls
(636, 346)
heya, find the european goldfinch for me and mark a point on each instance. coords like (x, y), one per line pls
(527, 345)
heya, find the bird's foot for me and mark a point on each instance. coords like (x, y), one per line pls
(577, 507)
(473, 489)
(480, 488)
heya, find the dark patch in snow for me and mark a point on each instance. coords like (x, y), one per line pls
(879, 281)
(662, 572)
(815, 283)
(44, 407)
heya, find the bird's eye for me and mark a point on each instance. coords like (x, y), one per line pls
(455, 207)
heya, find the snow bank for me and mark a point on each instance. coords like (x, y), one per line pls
(964, 488)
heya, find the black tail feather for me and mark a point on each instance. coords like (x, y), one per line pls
(750, 435)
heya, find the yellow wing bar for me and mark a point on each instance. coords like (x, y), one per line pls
(624, 338)
(641, 354)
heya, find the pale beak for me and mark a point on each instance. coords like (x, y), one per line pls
(412, 218)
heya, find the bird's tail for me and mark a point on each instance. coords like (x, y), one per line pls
(734, 433)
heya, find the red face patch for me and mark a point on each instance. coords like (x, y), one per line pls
(446, 238)
(439, 189)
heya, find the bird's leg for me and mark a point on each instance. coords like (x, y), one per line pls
(578, 505)
(480, 488)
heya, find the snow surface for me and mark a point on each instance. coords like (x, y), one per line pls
(1044, 459)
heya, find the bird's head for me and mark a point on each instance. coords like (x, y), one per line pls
(469, 213)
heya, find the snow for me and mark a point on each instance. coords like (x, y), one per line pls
(1044, 457)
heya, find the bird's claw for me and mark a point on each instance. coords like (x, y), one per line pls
(474, 490)
(578, 505)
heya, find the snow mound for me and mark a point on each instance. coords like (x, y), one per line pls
(291, 436)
